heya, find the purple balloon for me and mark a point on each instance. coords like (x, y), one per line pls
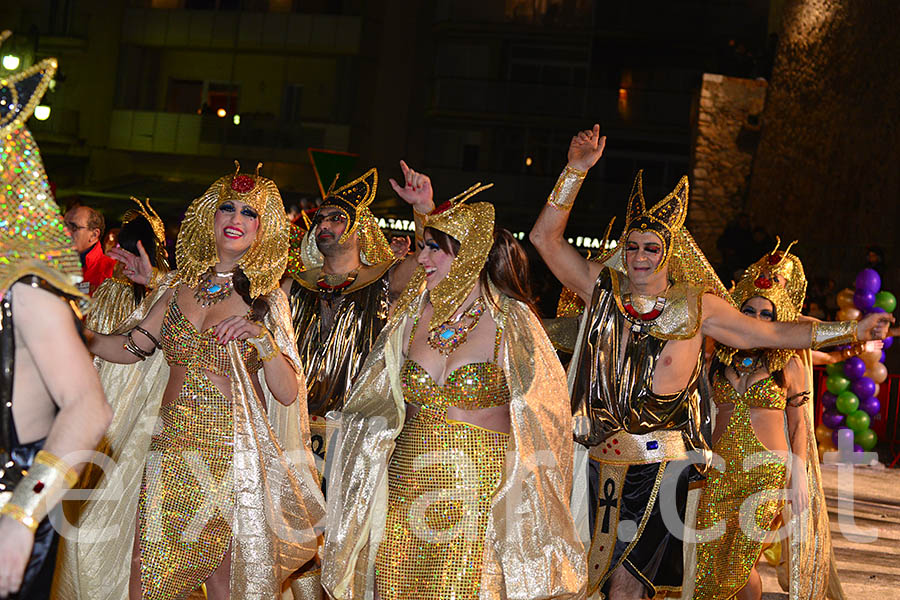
(871, 406)
(858, 448)
(868, 280)
(864, 300)
(876, 309)
(832, 419)
(854, 368)
(842, 438)
(888, 342)
(883, 356)
(863, 387)
(829, 401)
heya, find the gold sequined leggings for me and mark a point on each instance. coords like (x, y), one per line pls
(187, 491)
(726, 553)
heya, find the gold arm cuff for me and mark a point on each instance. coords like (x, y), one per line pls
(265, 345)
(40, 489)
(155, 277)
(833, 333)
(563, 195)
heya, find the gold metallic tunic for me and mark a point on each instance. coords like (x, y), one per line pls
(441, 481)
(335, 334)
(617, 395)
(726, 553)
(185, 523)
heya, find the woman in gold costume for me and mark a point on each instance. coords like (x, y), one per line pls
(452, 470)
(763, 435)
(142, 232)
(211, 444)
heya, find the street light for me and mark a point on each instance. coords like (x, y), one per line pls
(41, 112)
(221, 112)
(11, 62)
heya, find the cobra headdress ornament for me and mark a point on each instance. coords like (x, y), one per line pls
(265, 261)
(779, 278)
(472, 225)
(353, 200)
(33, 238)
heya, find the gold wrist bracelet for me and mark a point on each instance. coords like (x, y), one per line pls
(563, 195)
(39, 491)
(832, 333)
(265, 345)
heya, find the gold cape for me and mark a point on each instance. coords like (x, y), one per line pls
(811, 574)
(532, 549)
(277, 497)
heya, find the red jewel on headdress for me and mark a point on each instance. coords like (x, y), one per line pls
(442, 208)
(763, 283)
(774, 258)
(242, 184)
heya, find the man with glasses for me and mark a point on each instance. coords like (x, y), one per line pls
(340, 294)
(86, 227)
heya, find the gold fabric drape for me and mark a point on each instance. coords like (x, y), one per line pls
(277, 498)
(532, 549)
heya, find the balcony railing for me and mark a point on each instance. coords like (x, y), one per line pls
(205, 135)
(253, 30)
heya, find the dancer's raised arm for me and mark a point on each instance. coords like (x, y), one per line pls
(548, 234)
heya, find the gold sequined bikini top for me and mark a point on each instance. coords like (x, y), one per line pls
(472, 386)
(764, 393)
(183, 345)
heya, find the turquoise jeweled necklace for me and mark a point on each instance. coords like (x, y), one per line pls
(210, 292)
(448, 336)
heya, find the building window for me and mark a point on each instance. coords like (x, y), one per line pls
(222, 96)
(292, 105)
(185, 96)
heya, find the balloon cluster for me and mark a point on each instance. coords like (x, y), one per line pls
(852, 397)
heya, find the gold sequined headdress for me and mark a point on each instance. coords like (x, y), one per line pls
(472, 225)
(353, 200)
(665, 219)
(779, 278)
(33, 239)
(264, 262)
(156, 224)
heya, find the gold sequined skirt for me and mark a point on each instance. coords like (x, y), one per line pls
(187, 491)
(726, 553)
(441, 480)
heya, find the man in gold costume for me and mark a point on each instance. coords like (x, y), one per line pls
(341, 299)
(635, 374)
(51, 402)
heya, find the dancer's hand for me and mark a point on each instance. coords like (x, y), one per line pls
(400, 246)
(15, 551)
(586, 148)
(236, 328)
(798, 493)
(874, 326)
(137, 268)
(416, 191)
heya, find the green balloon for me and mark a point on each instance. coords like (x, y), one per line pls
(835, 368)
(866, 438)
(847, 402)
(837, 383)
(886, 300)
(858, 421)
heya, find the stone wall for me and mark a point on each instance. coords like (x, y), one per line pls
(725, 137)
(827, 170)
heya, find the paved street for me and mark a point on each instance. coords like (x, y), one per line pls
(868, 570)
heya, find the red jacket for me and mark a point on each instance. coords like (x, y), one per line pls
(97, 266)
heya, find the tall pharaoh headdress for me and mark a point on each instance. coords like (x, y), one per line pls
(353, 200)
(687, 263)
(33, 239)
(156, 224)
(472, 225)
(665, 219)
(264, 262)
(779, 278)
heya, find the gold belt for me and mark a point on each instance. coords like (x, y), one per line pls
(633, 449)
